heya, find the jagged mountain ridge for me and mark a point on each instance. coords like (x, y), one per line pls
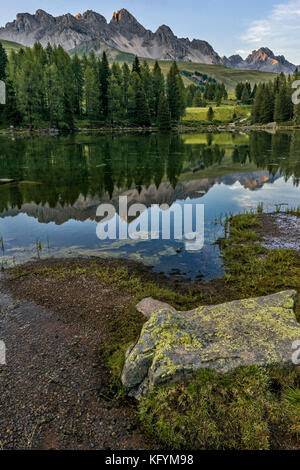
(126, 34)
(263, 59)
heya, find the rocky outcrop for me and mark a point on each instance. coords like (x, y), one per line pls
(126, 34)
(123, 32)
(173, 345)
(263, 59)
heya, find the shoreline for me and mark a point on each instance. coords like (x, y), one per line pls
(180, 129)
(70, 321)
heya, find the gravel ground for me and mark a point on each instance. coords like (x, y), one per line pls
(53, 389)
(281, 231)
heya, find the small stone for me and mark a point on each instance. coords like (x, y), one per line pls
(149, 306)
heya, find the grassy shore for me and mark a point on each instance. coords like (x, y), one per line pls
(250, 408)
(223, 114)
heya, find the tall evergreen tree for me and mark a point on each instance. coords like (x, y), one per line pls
(136, 67)
(197, 101)
(163, 117)
(78, 84)
(175, 92)
(3, 62)
(11, 112)
(104, 85)
(158, 85)
(91, 93)
(210, 114)
(141, 107)
(297, 114)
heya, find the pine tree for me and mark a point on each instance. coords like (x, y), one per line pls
(297, 114)
(197, 101)
(210, 114)
(78, 84)
(239, 91)
(283, 105)
(158, 85)
(175, 92)
(104, 85)
(141, 107)
(125, 88)
(3, 62)
(219, 96)
(164, 117)
(91, 93)
(136, 67)
(11, 112)
(245, 98)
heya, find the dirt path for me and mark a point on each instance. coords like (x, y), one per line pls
(53, 390)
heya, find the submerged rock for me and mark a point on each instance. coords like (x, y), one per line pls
(174, 344)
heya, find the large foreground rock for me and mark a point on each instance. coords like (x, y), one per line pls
(223, 337)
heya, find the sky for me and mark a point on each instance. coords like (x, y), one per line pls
(231, 26)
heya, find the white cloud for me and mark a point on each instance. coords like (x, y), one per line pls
(279, 30)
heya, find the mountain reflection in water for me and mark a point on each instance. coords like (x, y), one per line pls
(58, 184)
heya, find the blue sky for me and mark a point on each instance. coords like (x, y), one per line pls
(231, 26)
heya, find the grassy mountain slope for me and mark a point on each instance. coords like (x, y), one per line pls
(10, 46)
(230, 77)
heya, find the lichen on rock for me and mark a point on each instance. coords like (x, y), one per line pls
(223, 337)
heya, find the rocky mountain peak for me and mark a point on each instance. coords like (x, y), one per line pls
(165, 30)
(124, 33)
(125, 21)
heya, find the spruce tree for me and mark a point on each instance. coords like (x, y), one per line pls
(142, 111)
(283, 104)
(3, 62)
(104, 85)
(11, 112)
(175, 92)
(136, 67)
(164, 117)
(78, 84)
(210, 114)
(197, 102)
(239, 90)
(297, 114)
(158, 85)
(245, 99)
(91, 93)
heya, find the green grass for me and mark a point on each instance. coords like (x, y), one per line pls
(221, 113)
(250, 408)
(10, 46)
(230, 77)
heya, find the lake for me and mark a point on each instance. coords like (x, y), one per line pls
(55, 185)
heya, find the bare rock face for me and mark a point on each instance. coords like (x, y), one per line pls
(174, 344)
(263, 59)
(126, 34)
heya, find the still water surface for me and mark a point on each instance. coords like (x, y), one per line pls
(49, 209)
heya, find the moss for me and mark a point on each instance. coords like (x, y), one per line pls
(252, 270)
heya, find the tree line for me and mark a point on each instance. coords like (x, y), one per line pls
(273, 101)
(48, 87)
(245, 93)
(212, 92)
